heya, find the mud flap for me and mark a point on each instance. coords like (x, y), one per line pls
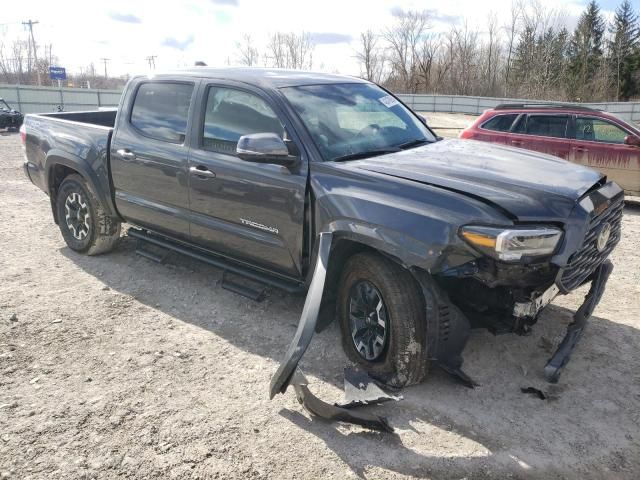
(307, 325)
(561, 357)
(447, 327)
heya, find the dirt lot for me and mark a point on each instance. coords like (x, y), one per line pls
(115, 366)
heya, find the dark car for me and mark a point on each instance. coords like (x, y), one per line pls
(9, 118)
(581, 135)
(331, 185)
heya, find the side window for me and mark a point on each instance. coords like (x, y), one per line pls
(547, 125)
(500, 123)
(231, 113)
(597, 130)
(161, 110)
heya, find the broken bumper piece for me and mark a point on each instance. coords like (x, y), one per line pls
(557, 362)
(332, 412)
(288, 372)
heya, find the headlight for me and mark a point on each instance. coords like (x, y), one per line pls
(513, 243)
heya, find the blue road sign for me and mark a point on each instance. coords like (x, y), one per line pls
(57, 73)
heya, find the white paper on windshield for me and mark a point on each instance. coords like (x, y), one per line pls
(388, 101)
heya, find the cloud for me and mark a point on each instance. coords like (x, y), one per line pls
(124, 17)
(233, 3)
(177, 44)
(325, 38)
(222, 16)
(432, 14)
(397, 11)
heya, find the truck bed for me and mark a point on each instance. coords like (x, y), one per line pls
(103, 118)
(70, 140)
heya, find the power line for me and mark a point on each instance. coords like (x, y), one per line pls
(32, 44)
(105, 60)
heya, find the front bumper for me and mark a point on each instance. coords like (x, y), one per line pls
(556, 363)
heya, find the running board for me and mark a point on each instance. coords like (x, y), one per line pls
(289, 286)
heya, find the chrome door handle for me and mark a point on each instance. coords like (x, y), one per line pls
(581, 149)
(516, 143)
(126, 154)
(201, 171)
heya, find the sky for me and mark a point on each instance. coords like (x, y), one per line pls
(180, 32)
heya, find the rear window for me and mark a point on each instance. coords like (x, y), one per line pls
(596, 130)
(500, 123)
(547, 125)
(161, 110)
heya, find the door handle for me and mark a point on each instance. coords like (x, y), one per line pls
(201, 171)
(516, 143)
(126, 154)
(581, 149)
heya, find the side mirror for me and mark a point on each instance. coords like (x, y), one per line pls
(264, 148)
(632, 140)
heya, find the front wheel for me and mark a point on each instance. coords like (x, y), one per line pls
(83, 222)
(381, 312)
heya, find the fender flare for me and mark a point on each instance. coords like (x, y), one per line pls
(83, 168)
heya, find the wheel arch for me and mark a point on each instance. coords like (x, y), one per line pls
(344, 246)
(58, 167)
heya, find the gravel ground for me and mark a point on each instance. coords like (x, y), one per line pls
(117, 367)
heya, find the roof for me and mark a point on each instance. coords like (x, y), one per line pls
(543, 106)
(265, 77)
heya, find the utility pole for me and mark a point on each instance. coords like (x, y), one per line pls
(105, 60)
(32, 44)
(151, 59)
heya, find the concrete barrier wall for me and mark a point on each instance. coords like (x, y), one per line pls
(630, 111)
(30, 99)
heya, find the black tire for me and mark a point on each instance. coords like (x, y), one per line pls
(88, 229)
(402, 359)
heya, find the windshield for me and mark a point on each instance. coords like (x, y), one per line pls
(355, 120)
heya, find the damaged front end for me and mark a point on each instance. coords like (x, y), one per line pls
(485, 292)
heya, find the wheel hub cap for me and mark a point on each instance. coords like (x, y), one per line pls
(367, 320)
(77, 215)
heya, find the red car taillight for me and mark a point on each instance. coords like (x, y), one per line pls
(23, 135)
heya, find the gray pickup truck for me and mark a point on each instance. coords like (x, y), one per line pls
(331, 185)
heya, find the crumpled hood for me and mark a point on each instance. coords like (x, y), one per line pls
(529, 185)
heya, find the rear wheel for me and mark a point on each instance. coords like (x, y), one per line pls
(381, 316)
(84, 225)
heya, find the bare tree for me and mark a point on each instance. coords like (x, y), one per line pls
(299, 51)
(403, 39)
(277, 52)
(512, 32)
(370, 57)
(290, 50)
(248, 54)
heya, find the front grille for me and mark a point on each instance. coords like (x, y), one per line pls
(587, 258)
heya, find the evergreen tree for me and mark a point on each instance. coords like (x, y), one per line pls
(624, 48)
(586, 50)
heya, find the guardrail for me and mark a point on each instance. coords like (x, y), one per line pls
(629, 111)
(29, 99)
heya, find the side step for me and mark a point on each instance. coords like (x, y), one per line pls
(153, 256)
(227, 265)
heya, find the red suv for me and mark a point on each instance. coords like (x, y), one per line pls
(579, 134)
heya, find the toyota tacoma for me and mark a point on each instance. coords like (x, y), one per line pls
(330, 185)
